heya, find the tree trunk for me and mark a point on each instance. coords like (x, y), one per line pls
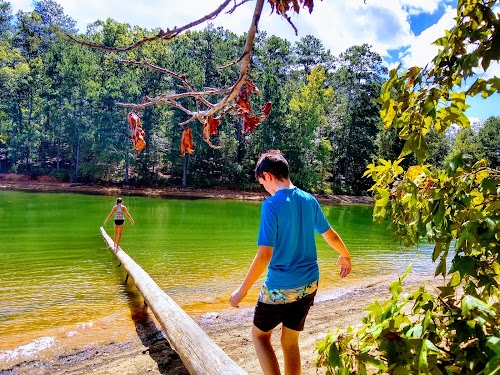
(351, 128)
(59, 141)
(239, 148)
(198, 352)
(77, 161)
(127, 164)
(185, 170)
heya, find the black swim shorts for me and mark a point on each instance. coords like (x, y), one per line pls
(292, 315)
(119, 222)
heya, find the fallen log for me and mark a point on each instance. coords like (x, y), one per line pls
(198, 352)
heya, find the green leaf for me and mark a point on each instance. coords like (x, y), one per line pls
(455, 163)
(474, 307)
(489, 184)
(388, 112)
(439, 215)
(409, 146)
(415, 331)
(423, 365)
(494, 344)
(396, 287)
(377, 363)
(422, 150)
(453, 369)
(493, 366)
(384, 198)
(455, 279)
(334, 356)
(428, 106)
(441, 268)
(465, 265)
(437, 250)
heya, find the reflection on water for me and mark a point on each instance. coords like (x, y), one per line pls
(56, 273)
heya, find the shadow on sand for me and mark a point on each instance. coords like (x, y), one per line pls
(151, 335)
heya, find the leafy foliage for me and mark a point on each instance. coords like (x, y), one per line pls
(418, 333)
(454, 329)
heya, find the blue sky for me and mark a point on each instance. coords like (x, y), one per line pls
(401, 31)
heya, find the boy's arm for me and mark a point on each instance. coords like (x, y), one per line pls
(344, 261)
(258, 266)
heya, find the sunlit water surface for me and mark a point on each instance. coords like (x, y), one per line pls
(58, 280)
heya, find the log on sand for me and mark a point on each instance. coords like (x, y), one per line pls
(198, 352)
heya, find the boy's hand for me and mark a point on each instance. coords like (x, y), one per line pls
(236, 297)
(345, 266)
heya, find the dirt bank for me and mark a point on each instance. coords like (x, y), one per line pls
(11, 181)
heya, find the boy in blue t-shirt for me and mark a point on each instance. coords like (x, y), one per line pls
(286, 245)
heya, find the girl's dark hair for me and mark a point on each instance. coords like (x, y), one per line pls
(272, 162)
(119, 200)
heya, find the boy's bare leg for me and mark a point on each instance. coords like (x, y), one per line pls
(265, 351)
(291, 351)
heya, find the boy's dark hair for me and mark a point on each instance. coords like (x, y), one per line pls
(119, 200)
(272, 162)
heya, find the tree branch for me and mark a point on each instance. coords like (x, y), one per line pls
(211, 109)
(169, 34)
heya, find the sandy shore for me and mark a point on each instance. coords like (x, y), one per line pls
(150, 353)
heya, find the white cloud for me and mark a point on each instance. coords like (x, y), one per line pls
(421, 50)
(24, 5)
(493, 70)
(341, 24)
(421, 6)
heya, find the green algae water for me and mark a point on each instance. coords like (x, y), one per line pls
(59, 281)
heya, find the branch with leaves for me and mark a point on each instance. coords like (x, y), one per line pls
(418, 99)
(234, 99)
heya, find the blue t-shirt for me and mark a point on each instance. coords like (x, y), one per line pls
(288, 221)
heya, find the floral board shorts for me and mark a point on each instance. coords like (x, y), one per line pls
(281, 296)
(287, 306)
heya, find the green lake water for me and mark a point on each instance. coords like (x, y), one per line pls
(57, 277)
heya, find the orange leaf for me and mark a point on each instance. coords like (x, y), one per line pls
(187, 142)
(266, 109)
(210, 127)
(137, 133)
(243, 100)
(250, 87)
(249, 122)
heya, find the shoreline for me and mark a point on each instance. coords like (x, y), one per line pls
(145, 350)
(19, 182)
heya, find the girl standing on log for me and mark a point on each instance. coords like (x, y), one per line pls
(119, 211)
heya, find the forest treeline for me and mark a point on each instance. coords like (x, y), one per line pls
(58, 112)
